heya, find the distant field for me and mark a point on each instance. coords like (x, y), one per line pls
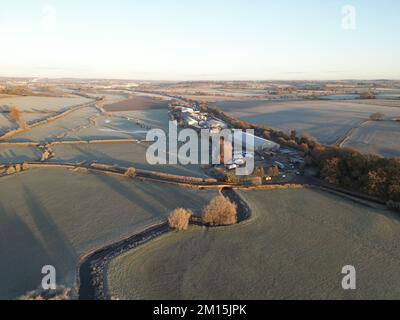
(328, 121)
(155, 118)
(40, 104)
(381, 138)
(293, 248)
(34, 109)
(54, 216)
(137, 103)
(57, 129)
(108, 127)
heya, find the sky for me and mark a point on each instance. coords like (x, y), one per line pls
(201, 39)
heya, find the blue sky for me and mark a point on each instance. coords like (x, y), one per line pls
(193, 39)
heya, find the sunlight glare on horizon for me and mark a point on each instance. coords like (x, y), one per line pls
(190, 40)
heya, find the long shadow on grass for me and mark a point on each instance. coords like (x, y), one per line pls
(130, 195)
(58, 248)
(22, 256)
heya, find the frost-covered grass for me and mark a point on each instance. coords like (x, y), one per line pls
(378, 137)
(55, 216)
(326, 120)
(293, 248)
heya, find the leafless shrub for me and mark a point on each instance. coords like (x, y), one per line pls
(220, 212)
(61, 293)
(377, 116)
(11, 170)
(45, 156)
(179, 219)
(130, 172)
(26, 166)
(273, 172)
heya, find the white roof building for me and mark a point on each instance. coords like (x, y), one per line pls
(252, 142)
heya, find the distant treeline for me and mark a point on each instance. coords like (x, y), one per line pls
(344, 167)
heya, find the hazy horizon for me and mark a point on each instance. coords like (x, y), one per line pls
(195, 80)
(207, 41)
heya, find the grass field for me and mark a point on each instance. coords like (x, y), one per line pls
(137, 103)
(6, 124)
(41, 104)
(19, 154)
(379, 137)
(103, 127)
(293, 248)
(54, 216)
(55, 130)
(122, 154)
(326, 120)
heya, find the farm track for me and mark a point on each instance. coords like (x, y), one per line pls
(341, 142)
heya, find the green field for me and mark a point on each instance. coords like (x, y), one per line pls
(294, 247)
(55, 216)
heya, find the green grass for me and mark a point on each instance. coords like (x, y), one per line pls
(293, 248)
(55, 216)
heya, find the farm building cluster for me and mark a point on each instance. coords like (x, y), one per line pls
(264, 152)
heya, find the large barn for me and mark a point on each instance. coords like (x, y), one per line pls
(256, 143)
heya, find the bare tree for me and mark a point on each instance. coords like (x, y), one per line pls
(220, 212)
(16, 115)
(179, 219)
(377, 116)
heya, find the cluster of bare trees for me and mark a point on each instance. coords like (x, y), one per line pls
(179, 219)
(219, 212)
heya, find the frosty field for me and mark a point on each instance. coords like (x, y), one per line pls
(328, 121)
(55, 216)
(42, 104)
(18, 154)
(130, 154)
(294, 247)
(382, 137)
